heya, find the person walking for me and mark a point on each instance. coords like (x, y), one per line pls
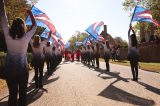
(16, 66)
(48, 55)
(133, 55)
(97, 54)
(106, 54)
(38, 59)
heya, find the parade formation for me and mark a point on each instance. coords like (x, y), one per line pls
(48, 48)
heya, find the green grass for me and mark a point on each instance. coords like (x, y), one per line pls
(148, 66)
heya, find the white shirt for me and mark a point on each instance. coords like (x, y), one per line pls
(56, 51)
(105, 48)
(19, 45)
(48, 50)
(39, 50)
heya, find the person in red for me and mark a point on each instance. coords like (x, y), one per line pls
(78, 54)
(65, 54)
(69, 56)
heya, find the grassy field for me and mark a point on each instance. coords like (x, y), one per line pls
(154, 67)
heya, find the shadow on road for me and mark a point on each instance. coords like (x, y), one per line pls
(46, 81)
(150, 88)
(34, 95)
(117, 94)
(111, 74)
(4, 103)
(50, 80)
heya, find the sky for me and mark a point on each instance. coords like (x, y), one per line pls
(70, 16)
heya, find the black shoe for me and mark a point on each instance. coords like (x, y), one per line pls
(136, 79)
(133, 79)
(41, 86)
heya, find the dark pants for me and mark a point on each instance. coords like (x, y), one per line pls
(97, 61)
(88, 58)
(134, 68)
(17, 84)
(72, 56)
(38, 67)
(113, 56)
(107, 64)
(49, 64)
(92, 59)
(54, 62)
(39, 76)
(78, 57)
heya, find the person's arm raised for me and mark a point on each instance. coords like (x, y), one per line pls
(129, 37)
(3, 18)
(32, 19)
(129, 31)
(132, 30)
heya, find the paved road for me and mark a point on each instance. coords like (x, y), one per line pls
(74, 84)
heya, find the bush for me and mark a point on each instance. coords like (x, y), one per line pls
(2, 58)
(3, 55)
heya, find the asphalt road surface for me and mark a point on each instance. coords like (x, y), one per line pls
(76, 84)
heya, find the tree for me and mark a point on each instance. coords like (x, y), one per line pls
(32, 2)
(153, 5)
(15, 8)
(78, 36)
(119, 41)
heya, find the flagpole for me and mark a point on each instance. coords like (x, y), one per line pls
(133, 15)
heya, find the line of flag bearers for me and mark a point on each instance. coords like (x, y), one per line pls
(90, 54)
(43, 51)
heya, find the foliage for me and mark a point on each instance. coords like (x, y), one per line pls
(15, 8)
(32, 2)
(78, 36)
(153, 5)
(3, 56)
(120, 42)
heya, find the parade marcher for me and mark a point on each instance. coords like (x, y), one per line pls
(38, 51)
(92, 55)
(113, 53)
(65, 54)
(85, 54)
(118, 53)
(81, 53)
(78, 54)
(97, 54)
(54, 59)
(16, 66)
(133, 55)
(48, 55)
(88, 56)
(106, 55)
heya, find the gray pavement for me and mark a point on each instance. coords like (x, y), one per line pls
(75, 84)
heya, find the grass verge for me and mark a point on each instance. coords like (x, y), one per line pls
(147, 66)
